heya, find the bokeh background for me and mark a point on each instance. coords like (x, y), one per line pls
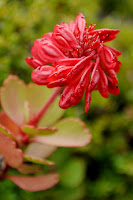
(103, 170)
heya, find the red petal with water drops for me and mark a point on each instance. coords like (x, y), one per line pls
(103, 84)
(34, 63)
(80, 25)
(66, 96)
(87, 100)
(40, 75)
(71, 48)
(94, 76)
(105, 35)
(67, 35)
(112, 88)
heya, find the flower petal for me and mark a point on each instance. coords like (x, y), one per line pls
(57, 83)
(107, 58)
(67, 35)
(87, 100)
(83, 83)
(34, 63)
(60, 42)
(66, 96)
(50, 52)
(35, 50)
(112, 74)
(116, 52)
(69, 61)
(105, 34)
(112, 88)
(94, 76)
(59, 75)
(46, 52)
(47, 36)
(78, 68)
(117, 66)
(103, 84)
(71, 26)
(40, 74)
(80, 25)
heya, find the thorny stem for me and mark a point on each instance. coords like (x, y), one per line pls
(38, 117)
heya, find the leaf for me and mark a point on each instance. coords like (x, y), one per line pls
(55, 111)
(35, 183)
(13, 98)
(39, 150)
(73, 173)
(71, 133)
(77, 193)
(9, 125)
(38, 160)
(5, 131)
(22, 103)
(12, 155)
(32, 131)
(37, 96)
(29, 169)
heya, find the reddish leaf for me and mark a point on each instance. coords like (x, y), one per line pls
(35, 183)
(12, 155)
(29, 169)
(10, 125)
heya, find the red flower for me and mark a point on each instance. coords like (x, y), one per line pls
(80, 61)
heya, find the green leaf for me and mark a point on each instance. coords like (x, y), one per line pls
(67, 193)
(5, 131)
(13, 98)
(32, 131)
(37, 96)
(38, 160)
(55, 111)
(39, 150)
(73, 174)
(71, 132)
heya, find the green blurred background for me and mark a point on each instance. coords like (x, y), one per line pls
(103, 170)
